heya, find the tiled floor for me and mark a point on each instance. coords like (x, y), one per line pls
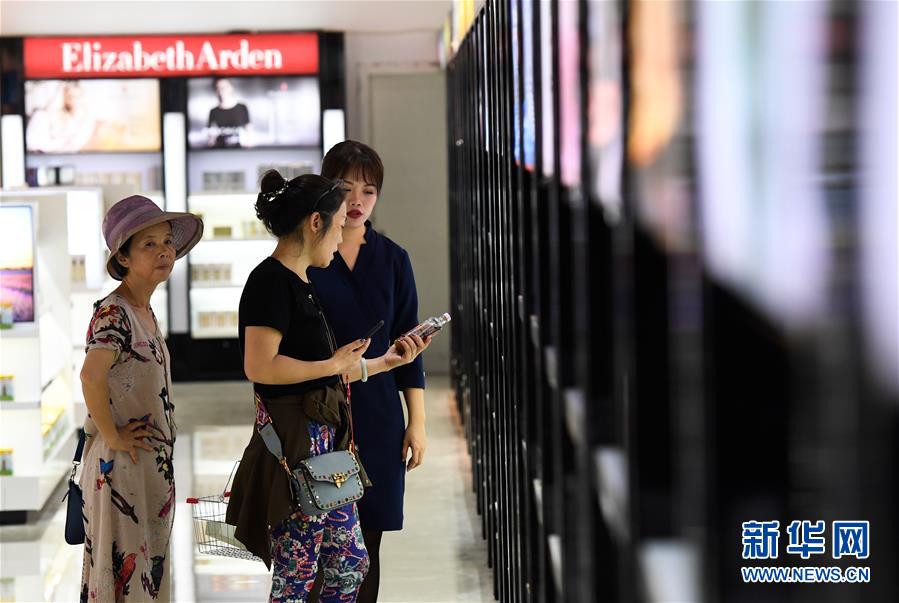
(439, 556)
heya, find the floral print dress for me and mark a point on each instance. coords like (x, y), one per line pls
(333, 541)
(128, 508)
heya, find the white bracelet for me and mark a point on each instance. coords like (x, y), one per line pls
(363, 365)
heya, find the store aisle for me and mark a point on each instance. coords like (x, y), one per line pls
(439, 556)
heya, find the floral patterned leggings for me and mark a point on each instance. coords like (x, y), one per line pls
(335, 538)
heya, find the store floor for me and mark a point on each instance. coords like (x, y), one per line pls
(439, 556)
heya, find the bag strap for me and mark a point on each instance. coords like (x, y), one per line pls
(269, 436)
(79, 450)
(352, 445)
(266, 428)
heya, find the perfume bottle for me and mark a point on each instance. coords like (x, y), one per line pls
(430, 326)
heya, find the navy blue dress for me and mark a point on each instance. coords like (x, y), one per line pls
(381, 286)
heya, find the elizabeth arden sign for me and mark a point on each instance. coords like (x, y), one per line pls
(171, 56)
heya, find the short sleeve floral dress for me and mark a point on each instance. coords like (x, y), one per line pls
(129, 508)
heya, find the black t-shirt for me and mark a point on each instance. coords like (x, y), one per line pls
(229, 120)
(277, 297)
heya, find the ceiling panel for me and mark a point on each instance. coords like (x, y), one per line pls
(38, 17)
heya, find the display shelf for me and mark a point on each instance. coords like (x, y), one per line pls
(233, 203)
(19, 330)
(216, 316)
(221, 287)
(20, 433)
(251, 162)
(37, 426)
(55, 421)
(15, 405)
(216, 333)
(20, 357)
(214, 312)
(54, 355)
(83, 289)
(211, 297)
(40, 567)
(219, 270)
(21, 559)
(229, 219)
(223, 266)
(236, 239)
(52, 443)
(30, 492)
(44, 308)
(278, 148)
(214, 245)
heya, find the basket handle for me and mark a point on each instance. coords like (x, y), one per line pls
(227, 491)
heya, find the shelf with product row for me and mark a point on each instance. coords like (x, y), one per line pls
(19, 331)
(234, 242)
(35, 356)
(57, 260)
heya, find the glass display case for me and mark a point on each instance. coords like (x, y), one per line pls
(36, 412)
(234, 242)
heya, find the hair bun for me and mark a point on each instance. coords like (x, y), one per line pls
(282, 206)
(272, 180)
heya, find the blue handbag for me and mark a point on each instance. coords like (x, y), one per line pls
(326, 482)
(75, 508)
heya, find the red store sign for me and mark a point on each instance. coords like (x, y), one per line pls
(171, 56)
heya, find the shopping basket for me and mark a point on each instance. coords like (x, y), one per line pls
(212, 535)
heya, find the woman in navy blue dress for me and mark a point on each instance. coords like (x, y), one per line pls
(369, 280)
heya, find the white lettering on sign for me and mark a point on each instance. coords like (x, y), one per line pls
(87, 57)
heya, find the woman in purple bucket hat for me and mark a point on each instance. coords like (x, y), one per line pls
(127, 476)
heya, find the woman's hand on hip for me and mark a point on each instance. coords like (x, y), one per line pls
(130, 438)
(415, 440)
(346, 358)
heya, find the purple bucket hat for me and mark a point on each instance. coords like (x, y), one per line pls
(132, 214)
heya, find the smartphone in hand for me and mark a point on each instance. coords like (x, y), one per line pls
(374, 330)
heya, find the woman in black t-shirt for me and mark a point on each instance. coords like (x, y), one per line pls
(229, 121)
(289, 355)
